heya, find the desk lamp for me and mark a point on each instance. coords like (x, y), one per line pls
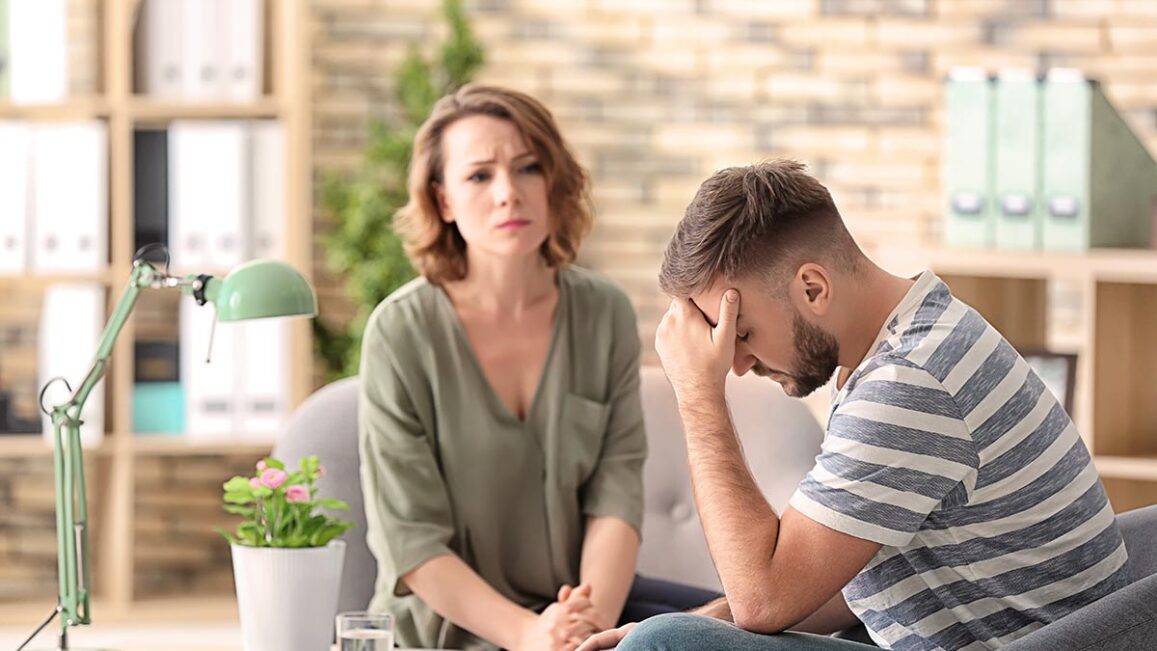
(254, 290)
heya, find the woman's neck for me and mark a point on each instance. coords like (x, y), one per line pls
(503, 285)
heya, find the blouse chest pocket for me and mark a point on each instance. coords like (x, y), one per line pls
(582, 428)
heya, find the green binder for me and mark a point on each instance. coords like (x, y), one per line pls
(5, 52)
(967, 168)
(1019, 210)
(1099, 183)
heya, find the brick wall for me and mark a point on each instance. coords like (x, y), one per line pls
(655, 95)
(177, 511)
(28, 525)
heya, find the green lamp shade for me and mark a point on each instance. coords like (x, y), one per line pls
(261, 289)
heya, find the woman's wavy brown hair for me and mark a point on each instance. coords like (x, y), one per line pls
(435, 247)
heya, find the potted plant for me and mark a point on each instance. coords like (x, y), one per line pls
(287, 561)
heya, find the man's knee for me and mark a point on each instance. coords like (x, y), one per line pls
(663, 632)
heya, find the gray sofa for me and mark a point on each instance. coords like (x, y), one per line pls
(780, 439)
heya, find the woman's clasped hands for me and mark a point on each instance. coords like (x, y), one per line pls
(564, 624)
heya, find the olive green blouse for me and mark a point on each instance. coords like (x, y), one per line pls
(448, 469)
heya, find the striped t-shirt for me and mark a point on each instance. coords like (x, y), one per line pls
(945, 447)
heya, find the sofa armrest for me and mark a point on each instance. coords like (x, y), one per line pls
(1126, 619)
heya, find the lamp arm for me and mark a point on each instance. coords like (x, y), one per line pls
(71, 498)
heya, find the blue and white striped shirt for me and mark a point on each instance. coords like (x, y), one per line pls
(946, 447)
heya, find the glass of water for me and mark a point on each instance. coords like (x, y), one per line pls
(363, 631)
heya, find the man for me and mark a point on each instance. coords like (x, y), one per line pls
(953, 504)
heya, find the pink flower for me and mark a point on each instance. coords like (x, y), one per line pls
(296, 493)
(261, 466)
(272, 478)
(254, 482)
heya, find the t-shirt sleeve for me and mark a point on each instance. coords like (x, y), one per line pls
(408, 513)
(615, 489)
(896, 449)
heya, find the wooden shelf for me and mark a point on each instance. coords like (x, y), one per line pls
(1118, 265)
(77, 109)
(118, 554)
(145, 109)
(178, 445)
(143, 445)
(106, 613)
(1119, 467)
(35, 445)
(40, 282)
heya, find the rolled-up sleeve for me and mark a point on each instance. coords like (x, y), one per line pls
(615, 488)
(407, 506)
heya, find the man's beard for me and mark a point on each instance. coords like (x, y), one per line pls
(818, 356)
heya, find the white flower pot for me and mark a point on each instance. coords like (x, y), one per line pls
(287, 598)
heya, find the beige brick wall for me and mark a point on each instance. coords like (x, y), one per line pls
(655, 96)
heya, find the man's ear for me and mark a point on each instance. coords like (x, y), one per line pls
(812, 288)
(443, 206)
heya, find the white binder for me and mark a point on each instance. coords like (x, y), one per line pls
(267, 193)
(70, 197)
(159, 47)
(38, 47)
(15, 225)
(71, 321)
(200, 49)
(211, 403)
(242, 62)
(208, 211)
(228, 218)
(263, 365)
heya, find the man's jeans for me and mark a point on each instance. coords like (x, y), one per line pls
(684, 632)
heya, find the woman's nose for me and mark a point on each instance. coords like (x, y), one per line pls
(504, 189)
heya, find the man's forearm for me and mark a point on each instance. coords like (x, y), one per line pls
(610, 549)
(740, 526)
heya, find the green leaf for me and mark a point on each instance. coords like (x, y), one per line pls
(309, 465)
(228, 536)
(274, 463)
(236, 485)
(334, 504)
(326, 534)
(240, 498)
(250, 534)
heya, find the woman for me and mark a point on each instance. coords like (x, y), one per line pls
(501, 430)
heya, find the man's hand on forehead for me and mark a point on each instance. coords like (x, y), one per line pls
(696, 353)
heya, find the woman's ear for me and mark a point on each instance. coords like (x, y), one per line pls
(443, 205)
(815, 288)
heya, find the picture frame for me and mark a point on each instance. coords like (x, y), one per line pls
(1059, 373)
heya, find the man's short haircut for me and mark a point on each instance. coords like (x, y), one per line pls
(435, 247)
(763, 220)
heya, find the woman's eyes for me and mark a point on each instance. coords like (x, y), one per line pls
(481, 176)
(744, 336)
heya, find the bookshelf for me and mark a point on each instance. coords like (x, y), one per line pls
(1114, 337)
(121, 457)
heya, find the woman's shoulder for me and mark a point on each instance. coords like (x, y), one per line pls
(590, 290)
(405, 309)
